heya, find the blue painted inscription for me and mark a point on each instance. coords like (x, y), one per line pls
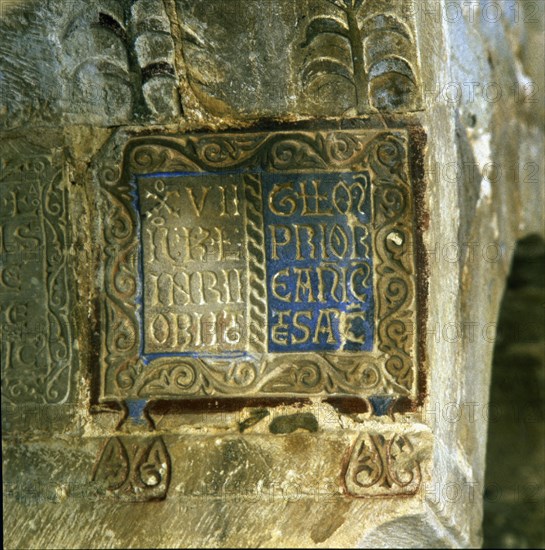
(319, 262)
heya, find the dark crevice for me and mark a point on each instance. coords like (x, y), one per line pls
(161, 68)
(514, 496)
(108, 22)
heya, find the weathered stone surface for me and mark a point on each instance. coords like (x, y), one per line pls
(398, 466)
(249, 59)
(102, 63)
(228, 475)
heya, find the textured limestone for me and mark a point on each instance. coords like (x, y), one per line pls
(270, 475)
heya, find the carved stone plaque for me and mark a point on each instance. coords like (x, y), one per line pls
(35, 329)
(258, 264)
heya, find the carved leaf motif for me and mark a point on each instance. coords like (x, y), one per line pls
(369, 467)
(133, 469)
(206, 71)
(382, 465)
(399, 368)
(384, 22)
(242, 373)
(302, 377)
(113, 467)
(341, 148)
(323, 25)
(375, 36)
(191, 36)
(155, 465)
(103, 59)
(403, 468)
(105, 20)
(326, 66)
(181, 378)
(347, 4)
(392, 64)
(288, 153)
(356, 374)
(120, 54)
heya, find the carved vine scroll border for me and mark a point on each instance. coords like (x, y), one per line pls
(390, 368)
(37, 382)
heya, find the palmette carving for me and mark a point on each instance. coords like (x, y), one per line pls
(129, 69)
(371, 65)
(133, 468)
(382, 465)
(129, 371)
(339, 58)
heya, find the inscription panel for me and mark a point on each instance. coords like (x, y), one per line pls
(258, 264)
(194, 264)
(319, 262)
(35, 331)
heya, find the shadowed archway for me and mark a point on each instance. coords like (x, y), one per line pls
(514, 498)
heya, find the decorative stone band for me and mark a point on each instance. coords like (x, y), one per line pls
(382, 463)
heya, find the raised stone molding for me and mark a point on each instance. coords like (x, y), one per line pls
(136, 188)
